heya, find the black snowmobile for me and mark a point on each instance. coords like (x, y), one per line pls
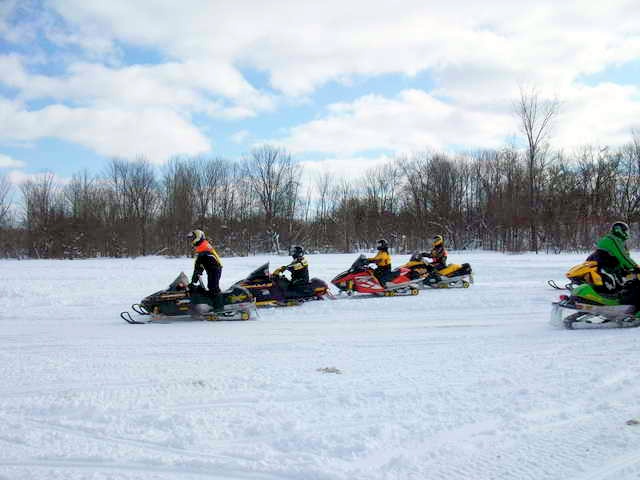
(179, 303)
(273, 290)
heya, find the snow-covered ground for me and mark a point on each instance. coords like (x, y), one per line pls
(451, 384)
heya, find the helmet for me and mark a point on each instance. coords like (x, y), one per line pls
(437, 241)
(196, 237)
(620, 230)
(382, 244)
(296, 251)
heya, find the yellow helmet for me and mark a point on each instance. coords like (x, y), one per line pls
(437, 240)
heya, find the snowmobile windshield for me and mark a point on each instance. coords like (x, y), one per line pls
(180, 283)
(260, 272)
(360, 262)
(416, 257)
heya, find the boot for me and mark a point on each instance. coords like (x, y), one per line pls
(433, 278)
(217, 302)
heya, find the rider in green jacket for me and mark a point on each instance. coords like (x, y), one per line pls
(612, 255)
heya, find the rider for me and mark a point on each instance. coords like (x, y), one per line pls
(613, 259)
(207, 259)
(299, 269)
(382, 261)
(438, 253)
(438, 256)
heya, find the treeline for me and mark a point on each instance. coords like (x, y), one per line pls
(492, 199)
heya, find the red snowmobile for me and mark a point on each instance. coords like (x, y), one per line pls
(360, 278)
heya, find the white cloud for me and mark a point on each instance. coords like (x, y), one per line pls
(600, 115)
(155, 133)
(8, 162)
(186, 87)
(18, 177)
(304, 44)
(477, 53)
(414, 120)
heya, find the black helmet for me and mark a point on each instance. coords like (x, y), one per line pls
(620, 230)
(437, 241)
(196, 237)
(382, 244)
(296, 251)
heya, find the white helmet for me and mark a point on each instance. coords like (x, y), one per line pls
(196, 236)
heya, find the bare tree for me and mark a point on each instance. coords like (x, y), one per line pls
(5, 200)
(326, 191)
(275, 180)
(535, 116)
(178, 204)
(134, 187)
(44, 215)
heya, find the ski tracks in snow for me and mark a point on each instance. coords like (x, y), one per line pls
(450, 384)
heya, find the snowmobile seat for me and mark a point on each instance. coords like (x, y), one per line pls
(393, 274)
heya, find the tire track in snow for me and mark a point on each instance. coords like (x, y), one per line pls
(613, 468)
(136, 468)
(127, 441)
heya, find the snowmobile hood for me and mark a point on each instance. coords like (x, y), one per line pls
(587, 292)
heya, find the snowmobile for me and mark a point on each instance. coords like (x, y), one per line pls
(452, 276)
(584, 307)
(177, 302)
(584, 272)
(273, 290)
(360, 278)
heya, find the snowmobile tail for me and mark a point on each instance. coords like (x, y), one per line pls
(453, 276)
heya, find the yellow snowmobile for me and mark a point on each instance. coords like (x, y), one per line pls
(452, 276)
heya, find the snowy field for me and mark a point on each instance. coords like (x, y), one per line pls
(451, 384)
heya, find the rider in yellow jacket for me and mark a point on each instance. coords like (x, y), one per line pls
(382, 260)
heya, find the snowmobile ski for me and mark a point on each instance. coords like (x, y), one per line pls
(553, 284)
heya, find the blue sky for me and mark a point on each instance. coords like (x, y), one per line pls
(342, 82)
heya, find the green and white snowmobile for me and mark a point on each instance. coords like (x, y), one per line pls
(584, 307)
